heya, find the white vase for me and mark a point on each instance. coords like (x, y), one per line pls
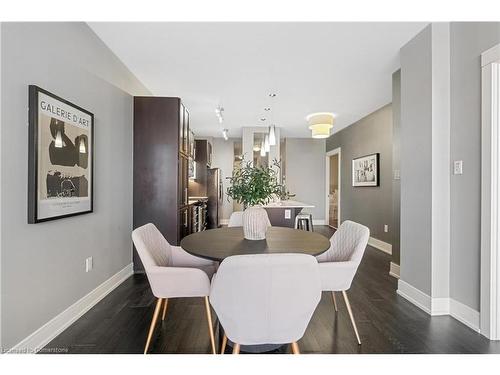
(255, 223)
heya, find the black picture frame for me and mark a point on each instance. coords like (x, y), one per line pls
(34, 152)
(376, 174)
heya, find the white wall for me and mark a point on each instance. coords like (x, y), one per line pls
(42, 265)
(223, 156)
(305, 173)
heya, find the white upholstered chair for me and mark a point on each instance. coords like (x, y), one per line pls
(265, 298)
(338, 265)
(236, 219)
(172, 273)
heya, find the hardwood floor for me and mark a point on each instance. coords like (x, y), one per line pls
(387, 323)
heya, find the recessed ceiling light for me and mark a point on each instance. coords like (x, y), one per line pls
(272, 95)
(262, 119)
(267, 109)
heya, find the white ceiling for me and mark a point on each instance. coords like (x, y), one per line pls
(343, 68)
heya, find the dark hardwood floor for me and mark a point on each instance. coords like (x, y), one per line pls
(387, 323)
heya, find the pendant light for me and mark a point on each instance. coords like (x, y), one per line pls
(272, 136)
(320, 124)
(267, 147)
(263, 149)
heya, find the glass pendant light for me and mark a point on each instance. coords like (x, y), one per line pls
(267, 147)
(263, 149)
(272, 136)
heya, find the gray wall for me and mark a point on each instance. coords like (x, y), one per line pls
(42, 264)
(468, 41)
(371, 206)
(223, 157)
(416, 161)
(396, 186)
(306, 173)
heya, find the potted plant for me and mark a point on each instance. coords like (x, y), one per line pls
(253, 186)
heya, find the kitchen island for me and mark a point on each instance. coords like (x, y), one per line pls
(282, 214)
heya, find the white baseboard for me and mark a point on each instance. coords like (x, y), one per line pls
(440, 306)
(42, 336)
(381, 245)
(414, 295)
(394, 271)
(464, 314)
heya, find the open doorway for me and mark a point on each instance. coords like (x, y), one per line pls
(490, 195)
(333, 188)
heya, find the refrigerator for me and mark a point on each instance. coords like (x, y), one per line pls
(215, 195)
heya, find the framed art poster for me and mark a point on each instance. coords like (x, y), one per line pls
(365, 170)
(61, 155)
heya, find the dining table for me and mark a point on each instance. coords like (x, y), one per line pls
(218, 244)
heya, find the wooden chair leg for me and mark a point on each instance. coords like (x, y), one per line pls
(164, 309)
(153, 323)
(236, 348)
(224, 343)
(295, 348)
(334, 302)
(351, 316)
(210, 326)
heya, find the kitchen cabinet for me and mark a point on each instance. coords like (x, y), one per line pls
(161, 160)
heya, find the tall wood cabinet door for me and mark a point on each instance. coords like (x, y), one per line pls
(183, 180)
(184, 221)
(209, 154)
(186, 132)
(181, 127)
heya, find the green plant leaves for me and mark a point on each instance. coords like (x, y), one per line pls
(254, 185)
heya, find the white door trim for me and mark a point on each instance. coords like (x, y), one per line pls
(338, 152)
(490, 194)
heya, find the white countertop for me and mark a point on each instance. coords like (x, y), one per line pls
(288, 204)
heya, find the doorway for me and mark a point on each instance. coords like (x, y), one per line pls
(333, 185)
(490, 194)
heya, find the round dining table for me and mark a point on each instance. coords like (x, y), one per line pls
(218, 244)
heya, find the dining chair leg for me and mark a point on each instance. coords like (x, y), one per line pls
(295, 348)
(224, 343)
(236, 348)
(153, 323)
(164, 309)
(351, 316)
(334, 302)
(210, 326)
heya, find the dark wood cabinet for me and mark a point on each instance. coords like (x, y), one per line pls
(198, 186)
(203, 152)
(161, 161)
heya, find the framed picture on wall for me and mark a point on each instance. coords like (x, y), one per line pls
(61, 156)
(365, 170)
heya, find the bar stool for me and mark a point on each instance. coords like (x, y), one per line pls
(304, 221)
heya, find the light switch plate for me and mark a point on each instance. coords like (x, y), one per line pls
(88, 264)
(288, 214)
(386, 228)
(458, 167)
